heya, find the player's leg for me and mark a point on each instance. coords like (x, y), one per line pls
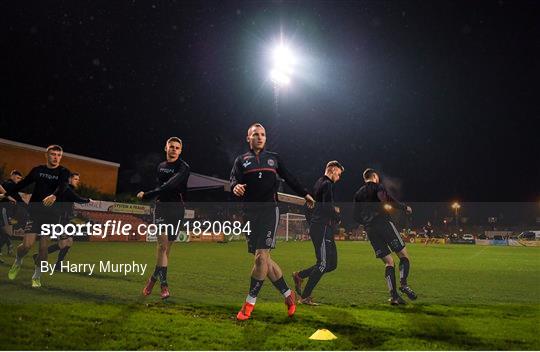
(164, 284)
(58, 245)
(378, 234)
(331, 254)
(276, 276)
(4, 223)
(257, 245)
(64, 245)
(258, 274)
(162, 246)
(269, 220)
(404, 267)
(174, 216)
(28, 241)
(317, 234)
(4, 238)
(42, 256)
(395, 243)
(390, 277)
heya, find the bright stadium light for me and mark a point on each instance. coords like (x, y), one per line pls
(279, 78)
(283, 61)
(283, 57)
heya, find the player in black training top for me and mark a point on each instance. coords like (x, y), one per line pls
(254, 178)
(8, 208)
(370, 203)
(50, 181)
(67, 199)
(428, 233)
(323, 223)
(172, 178)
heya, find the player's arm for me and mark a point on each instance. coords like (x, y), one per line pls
(176, 180)
(63, 182)
(25, 182)
(5, 192)
(384, 196)
(72, 196)
(290, 179)
(236, 180)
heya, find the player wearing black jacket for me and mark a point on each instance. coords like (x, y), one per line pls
(254, 178)
(50, 181)
(67, 199)
(371, 202)
(323, 224)
(9, 207)
(172, 178)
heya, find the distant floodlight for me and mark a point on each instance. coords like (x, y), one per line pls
(283, 57)
(283, 61)
(279, 78)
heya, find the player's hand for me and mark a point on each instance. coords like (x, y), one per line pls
(2, 195)
(309, 201)
(49, 200)
(408, 210)
(239, 190)
(140, 195)
(12, 200)
(92, 202)
(337, 210)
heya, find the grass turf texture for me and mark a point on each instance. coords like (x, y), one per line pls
(470, 297)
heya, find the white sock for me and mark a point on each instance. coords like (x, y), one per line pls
(37, 272)
(287, 293)
(251, 300)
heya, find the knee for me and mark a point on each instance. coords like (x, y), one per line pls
(388, 261)
(162, 248)
(331, 267)
(261, 259)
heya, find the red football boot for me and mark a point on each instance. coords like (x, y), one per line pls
(165, 292)
(147, 290)
(245, 312)
(290, 302)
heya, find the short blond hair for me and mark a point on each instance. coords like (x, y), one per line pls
(55, 147)
(334, 163)
(256, 124)
(173, 139)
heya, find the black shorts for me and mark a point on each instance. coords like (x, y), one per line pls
(384, 238)
(172, 214)
(4, 219)
(263, 223)
(41, 215)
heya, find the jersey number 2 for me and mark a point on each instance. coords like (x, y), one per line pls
(260, 174)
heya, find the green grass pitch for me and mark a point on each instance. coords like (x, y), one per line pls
(470, 297)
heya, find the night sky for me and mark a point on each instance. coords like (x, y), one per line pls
(442, 97)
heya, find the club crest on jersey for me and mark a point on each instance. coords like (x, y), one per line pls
(271, 162)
